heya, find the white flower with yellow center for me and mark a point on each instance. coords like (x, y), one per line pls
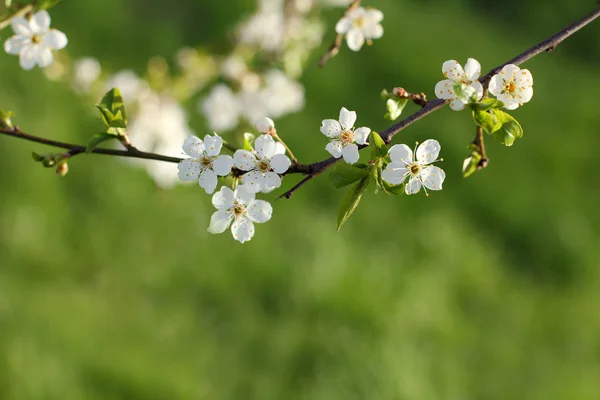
(360, 25)
(513, 86)
(416, 166)
(263, 165)
(206, 163)
(34, 40)
(242, 208)
(344, 137)
(455, 74)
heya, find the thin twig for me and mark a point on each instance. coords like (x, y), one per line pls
(21, 13)
(479, 142)
(419, 99)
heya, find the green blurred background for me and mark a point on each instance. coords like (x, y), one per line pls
(111, 288)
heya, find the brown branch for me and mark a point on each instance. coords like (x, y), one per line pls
(419, 99)
(334, 49)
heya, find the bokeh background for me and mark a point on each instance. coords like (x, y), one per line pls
(111, 288)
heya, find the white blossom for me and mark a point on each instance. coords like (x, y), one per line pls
(455, 74)
(282, 94)
(205, 163)
(241, 208)
(415, 166)
(34, 40)
(360, 25)
(512, 86)
(221, 108)
(86, 71)
(264, 165)
(265, 125)
(344, 137)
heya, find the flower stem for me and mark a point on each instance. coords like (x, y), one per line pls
(276, 137)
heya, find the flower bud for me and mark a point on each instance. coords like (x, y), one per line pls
(62, 169)
(265, 125)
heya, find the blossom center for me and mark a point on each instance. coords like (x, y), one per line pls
(206, 162)
(510, 87)
(359, 22)
(415, 169)
(238, 209)
(264, 166)
(36, 39)
(347, 137)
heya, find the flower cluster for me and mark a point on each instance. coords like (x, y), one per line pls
(258, 169)
(512, 86)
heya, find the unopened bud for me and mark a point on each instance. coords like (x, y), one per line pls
(62, 169)
(265, 125)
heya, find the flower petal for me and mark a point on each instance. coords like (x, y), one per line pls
(28, 57)
(253, 181)
(509, 72)
(401, 153)
(223, 199)
(343, 26)
(525, 95)
(40, 22)
(279, 148)
(350, 153)
(478, 89)
(21, 26)
(472, 69)
(45, 57)
(219, 221)
(413, 186)
(271, 181)
(242, 230)
(445, 89)
(222, 165)
(193, 146)
(265, 125)
(355, 39)
(361, 135)
(334, 148)
(524, 78)
(373, 15)
(457, 104)
(259, 211)
(331, 128)
(428, 151)
(280, 163)
(453, 70)
(265, 146)
(496, 85)
(373, 31)
(55, 39)
(244, 160)
(395, 173)
(208, 180)
(433, 177)
(188, 170)
(509, 102)
(243, 195)
(212, 145)
(347, 118)
(15, 44)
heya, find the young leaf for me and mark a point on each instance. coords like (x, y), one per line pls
(345, 174)
(106, 115)
(397, 190)
(248, 141)
(5, 121)
(113, 103)
(510, 129)
(488, 121)
(487, 104)
(46, 4)
(352, 200)
(471, 163)
(377, 145)
(97, 139)
(394, 107)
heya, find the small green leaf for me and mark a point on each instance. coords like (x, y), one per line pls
(249, 141)
(487, 120)
(352, 200)
(510, 129)
(471, 163)
(487, 104)
(98, 139)
(36, 157)
(394, 107)
(377, 145)
(346, 174)
(112, 109)
(397, 190)
(46, 4)
(49, 160)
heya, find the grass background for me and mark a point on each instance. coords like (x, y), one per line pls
(112, 289)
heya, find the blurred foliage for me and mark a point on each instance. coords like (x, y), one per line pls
(112, 289)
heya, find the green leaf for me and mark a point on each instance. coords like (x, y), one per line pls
(487, 120)
(97, 139)
(487, 104)
(249, 141)
(510, 129)
(352, 200)
(112, 109)
(397, 190)
(346, 174)
(394, 107)
(465, 93)
(46, 4)
(377, 145)
(37, 157)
